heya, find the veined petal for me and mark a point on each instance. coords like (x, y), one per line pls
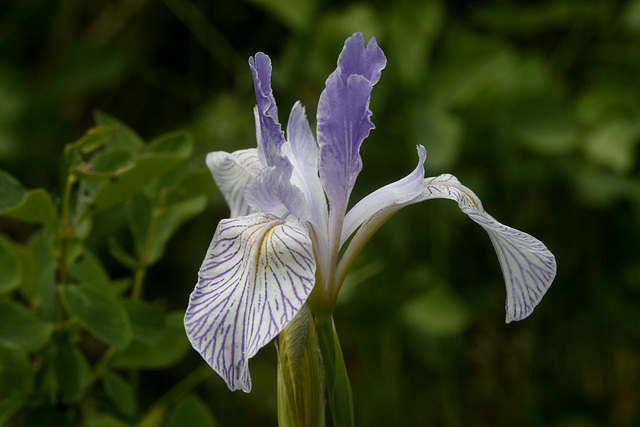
(385, 201)
(268, 129)
(271, 191)
(343, 118)
(527, 265)
(257, 274)
(232, 173)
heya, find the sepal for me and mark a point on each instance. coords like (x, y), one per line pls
(257, 274)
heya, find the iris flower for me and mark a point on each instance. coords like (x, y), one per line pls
(289, 220)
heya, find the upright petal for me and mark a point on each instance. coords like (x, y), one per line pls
(527, 265)
(269, 132)
(302, 151)
(232, 173)
(344, 117)
(257, 274)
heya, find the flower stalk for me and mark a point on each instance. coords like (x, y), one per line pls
(301, 397)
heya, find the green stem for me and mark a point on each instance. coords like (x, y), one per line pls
(301, 396)
(141, 271)
(337, 380)
(65, 234)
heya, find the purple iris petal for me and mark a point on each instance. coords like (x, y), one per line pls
(270, 134)
(343, 117)
(271, 191)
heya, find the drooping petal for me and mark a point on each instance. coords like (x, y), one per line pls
(232, 173)
(257, 274)
(527, 265)
(343, 117)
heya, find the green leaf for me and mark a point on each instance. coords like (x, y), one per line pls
(46, 382)
(10, 405)
(16, 374)
(193, 412)
(106, 165)
(88, 270)
(21, 328)
(175, 142)
(10, 263)
(147, 321)
(37, 207)
(42, 246)
(119, 253)
(170, 222)
(11, 191)
(140, 211)
(124, 184)
(94, 138)
(192, 186)
(123, 136)
(72, 371)
(28, 206)
(439, 311)
(120, 392)
(169, 350)
(100, 312)
(28, 285)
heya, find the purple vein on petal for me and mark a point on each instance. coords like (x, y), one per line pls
(257, 274)
(527, 265)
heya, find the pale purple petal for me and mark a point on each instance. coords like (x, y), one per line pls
(387, 199)
(268, 129)
(232, 173)
(257, 274)
(272, 192)
(344, 118)
(527, 265)
(302, 151)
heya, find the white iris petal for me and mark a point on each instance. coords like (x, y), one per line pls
(257, 274)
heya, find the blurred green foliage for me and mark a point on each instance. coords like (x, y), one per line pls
(534, 105)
